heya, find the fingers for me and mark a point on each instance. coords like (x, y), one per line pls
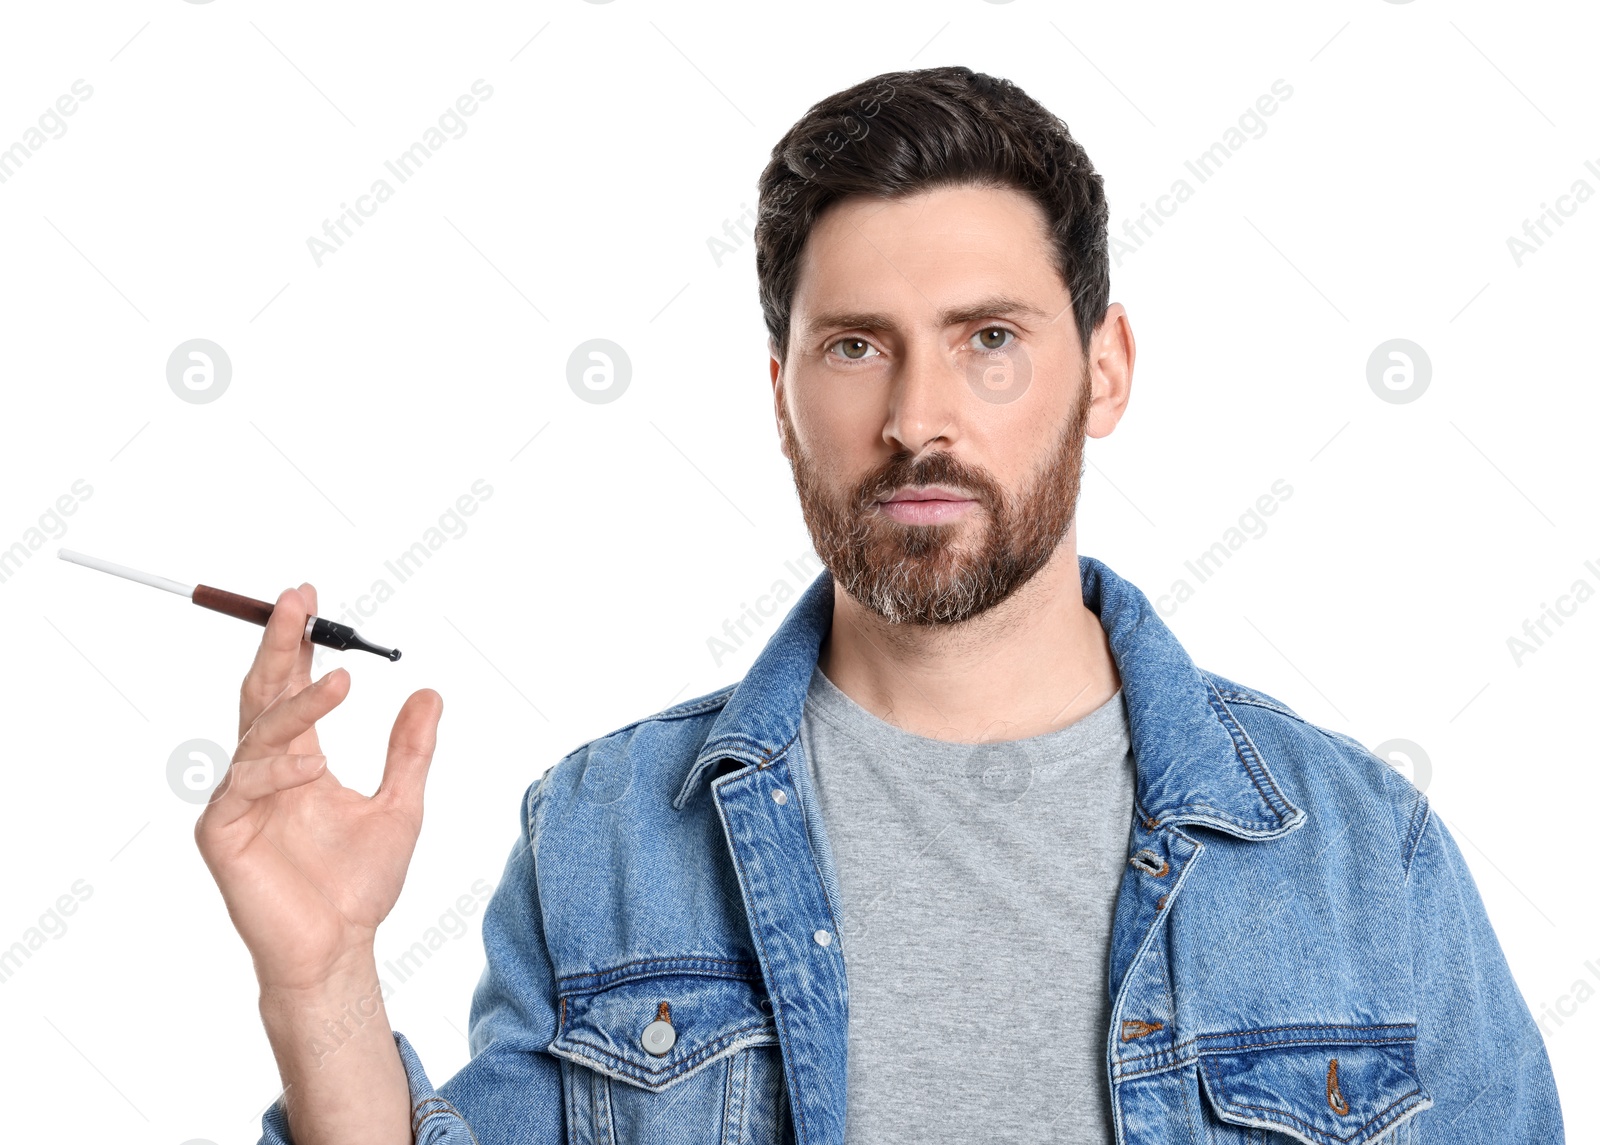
(411, 745)
(248, 780)
(292, 715)
(277, 657)
(308, 594)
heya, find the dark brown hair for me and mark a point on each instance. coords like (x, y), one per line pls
(902, 132)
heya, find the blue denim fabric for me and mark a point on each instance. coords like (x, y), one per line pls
(1298, 953)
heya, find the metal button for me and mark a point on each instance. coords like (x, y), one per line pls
(780, 796)
(822, 937)
(658, 1037)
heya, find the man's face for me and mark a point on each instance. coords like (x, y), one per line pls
(935, 400)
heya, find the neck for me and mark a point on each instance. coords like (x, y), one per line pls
(1034, 663)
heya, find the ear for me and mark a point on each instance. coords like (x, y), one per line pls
(776, 369)
(1111, 353)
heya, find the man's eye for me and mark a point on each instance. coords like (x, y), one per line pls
(854, 349)
(992, 338)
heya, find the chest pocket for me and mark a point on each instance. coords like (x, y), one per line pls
(672, 1058)
(1321, 1085)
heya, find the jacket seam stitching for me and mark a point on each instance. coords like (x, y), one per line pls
(771, 757)
(1331, 1037)
(1255, 701)
(1250, 757)
(810, 850)
(603, 1087)
(1262, 824)
(1414, 832)
(779, 1012)
(442, 1108)
(1163, 1067)
(675, 965)
(1142, 951)
(678, 1070)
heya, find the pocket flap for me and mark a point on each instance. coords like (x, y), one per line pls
(710, 1017)
(1325, 1085)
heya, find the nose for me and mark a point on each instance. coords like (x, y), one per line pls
(925, 401)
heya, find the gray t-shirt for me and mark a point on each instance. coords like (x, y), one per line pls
(978, 883)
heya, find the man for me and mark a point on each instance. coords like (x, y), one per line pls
(974, 852)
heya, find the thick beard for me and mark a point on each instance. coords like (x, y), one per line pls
(919, 574)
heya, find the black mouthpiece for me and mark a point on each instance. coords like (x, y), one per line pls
(343, 637)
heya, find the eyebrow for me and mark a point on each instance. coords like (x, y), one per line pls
(996, 306)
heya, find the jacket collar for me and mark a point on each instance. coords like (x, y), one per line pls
(1195, 763)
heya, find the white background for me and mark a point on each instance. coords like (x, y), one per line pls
(370, 392)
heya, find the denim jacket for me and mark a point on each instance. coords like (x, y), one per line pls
(1298, 951)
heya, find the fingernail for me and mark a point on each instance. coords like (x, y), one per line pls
(312, 762)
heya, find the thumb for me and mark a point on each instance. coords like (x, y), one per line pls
(411, 746)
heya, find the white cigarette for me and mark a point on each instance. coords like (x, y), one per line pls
(124, 571)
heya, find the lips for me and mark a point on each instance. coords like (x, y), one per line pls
(926, 493)
(925, 505)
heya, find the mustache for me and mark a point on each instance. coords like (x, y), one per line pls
(942, 468)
